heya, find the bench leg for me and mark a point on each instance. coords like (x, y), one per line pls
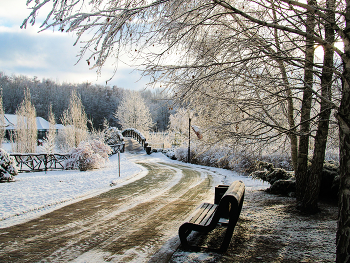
(227, 239)
(183, 234)
(231, 227)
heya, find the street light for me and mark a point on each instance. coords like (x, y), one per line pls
(189, 141)
(199, 136)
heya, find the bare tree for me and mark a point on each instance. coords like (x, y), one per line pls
(75, 121)
(26, 130)
(311, 194)
(2, 121)
(133, 112)
(49, 141)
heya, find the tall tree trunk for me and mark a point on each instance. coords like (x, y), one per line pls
(301, 173)
(311, 196)
(343, 233)
(343, 116)
(290, 115)
(290, 106)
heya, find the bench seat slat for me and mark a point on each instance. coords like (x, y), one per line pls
(203, 214)
(207, 220)
(199, 213)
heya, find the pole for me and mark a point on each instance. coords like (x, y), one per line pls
(189, 141)
(119, 162)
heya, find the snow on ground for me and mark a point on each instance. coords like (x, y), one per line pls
(269, 228)
(266, 222)
(34, 194)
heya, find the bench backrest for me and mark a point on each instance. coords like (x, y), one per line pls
(232, 201)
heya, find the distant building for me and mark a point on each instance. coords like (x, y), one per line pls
(41, 124)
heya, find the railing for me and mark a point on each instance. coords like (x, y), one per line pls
(133, 133)
(35, 162)
(137, 135)
(114, 136)
(117, 148)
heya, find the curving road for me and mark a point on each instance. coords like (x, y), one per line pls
(125, 224)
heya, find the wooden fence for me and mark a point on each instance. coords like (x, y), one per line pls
(35, 162)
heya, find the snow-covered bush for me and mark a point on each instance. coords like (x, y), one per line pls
(113, 136)
(170, 153)
(181, 153)
(100, 148)
(61, 141)
(226, 156)
(88, 155)
(8, 167)
(278, 161)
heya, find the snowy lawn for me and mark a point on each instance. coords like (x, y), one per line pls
(33, 194)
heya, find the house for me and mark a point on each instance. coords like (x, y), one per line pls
(41, 124)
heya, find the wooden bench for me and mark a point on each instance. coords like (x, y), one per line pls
(207, 216)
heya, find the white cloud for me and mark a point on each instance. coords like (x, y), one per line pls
(51, 54)
(13, 11)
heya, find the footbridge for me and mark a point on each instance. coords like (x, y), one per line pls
(137, 135)
(116, 139)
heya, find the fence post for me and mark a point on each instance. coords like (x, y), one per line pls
(45, 162)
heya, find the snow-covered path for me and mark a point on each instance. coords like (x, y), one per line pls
(93, 221)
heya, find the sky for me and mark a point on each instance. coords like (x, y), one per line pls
(51, 55)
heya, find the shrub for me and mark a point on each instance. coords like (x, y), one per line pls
(170, 153)
(100, 148)
(233, 157)
(283, 187)
(88, 155)
(278, 174)
(113, 136)
(8, 167)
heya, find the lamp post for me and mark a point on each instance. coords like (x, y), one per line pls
(189, 141)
